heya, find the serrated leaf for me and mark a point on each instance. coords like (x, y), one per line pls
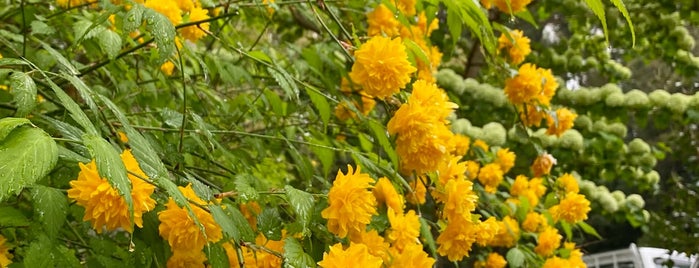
(110, 166)
(515, 257)
(36, 255)
(40, 27)
(24, 92)
(50, 208)
(244, 187)
(589, 229)
(598, 9)
(325, 155)
(294, 256)
(216, 256)
(321, 104)
(246, 232)
(11, 217)
(382, 136)
(619, 4)
(302, 203)
(85, 29)
(58, 57)
(163, 32)
(68, 155)
(8, 124)
(269, 224)
(226, 223)
(110, 43)
(11, 61)
(285, 82)
(27, 154)
(133, 18)
(302, 164)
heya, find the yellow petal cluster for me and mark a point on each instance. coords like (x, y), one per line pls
(351, 203)
(356, 255)
(542, 164)
(386, 194)
(532, 190)
(456, 240)
(508, 233)
(459, 200)
(186, 259)
(179, 228)
(562, 121)
(104, 205)
(548, 241)
(196, 32)
(411, 256)
(568, 183)
(506, 159)
(531, 85)
(405, 228)
(534, 222)
(418, 195)
(490, 176)
(573, 208)
(381, 67)
(516, 45)
(494, 260)
(382, 21)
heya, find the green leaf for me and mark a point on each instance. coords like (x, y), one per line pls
(216, 256)
(8, 124)
(58, 57)
(246, 232)
(515, 257)
(294, 256)
(40, 27)
(11, 217)
(50, 208)
(12, 61)
(567, 230)
(133, 18)
(598, 8)
(589, 229)
(260, 56)
(110, 166)
(416, 50)
(28, 154)
(226, 223)
(269, 223)
(85, 29)
(163, 31)
(302, 203)
(382, 136)
(285, 81)
(527, 16)
(619, 4)
(324, 153)
(24, 91)
(454, 25)
(110, 43)
(321, 104)
(244, 187)
(427, 237)
(68, 155)
(302, 163)
(39, 253)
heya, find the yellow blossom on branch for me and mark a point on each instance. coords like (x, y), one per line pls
(381, 67)
(405, 228)
(573, 208)
(351, 203)
(411, 256)
(196, 32)
(356, 255)
(548, 241)
(560, 122)
(516, 45)
(494, 260)
(382, 22)
(104, 205)
(181, 231)
(385, 193)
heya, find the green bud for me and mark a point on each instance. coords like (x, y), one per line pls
(571, 139)
(635, 200)
(659, 97)
(678, 103)
(599, 126)
(460, 126)
(639, 146)
(617, 129)
(449, 80)
(615, 100)
(583, 122)
(618, 195)
(494, 134)
(686, 42)
(610, 89)
(608, 203)
(475, 133)
(575, 63)
(636, 99)
(652, 177)
(591, 63)
(648, 160)
(587, 187)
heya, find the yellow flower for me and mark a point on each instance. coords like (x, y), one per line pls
(508, 233)
(562, 121)
(381, 67)
(250, 211)
(356, 255)
(525, 86)
(542, 164)
(575, 257)
(405, 228)
(514, 7)
(186, 259)
(351, 204)
(425, 27)
(494, 260)
(506, 159)
(531, 114)
(424, 143)
(411, 256)
(556, 262)
(104, 205)
(385, 193)
(375, 243)
(259, 258)
(548, 241)
(180, 230)
(168, 8)
(490, 176)
(187, 5)
(407, 7)
(456, 240)
(417, 196)
(382, 21)
(537, 186)
(195, 32)
(573, 208)
(520, 186)
(534, 222)
(167, 68)
(122, 137)
(451, 170)
(5, 255)
(69, 3)
(459, 200)
(461, 144)
(433, 98)
(516, 45)
(472, 168)
(480, 144)
(568, 183)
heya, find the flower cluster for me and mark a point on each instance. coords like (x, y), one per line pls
(183, 11)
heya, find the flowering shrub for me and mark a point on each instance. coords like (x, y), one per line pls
(284, 133)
